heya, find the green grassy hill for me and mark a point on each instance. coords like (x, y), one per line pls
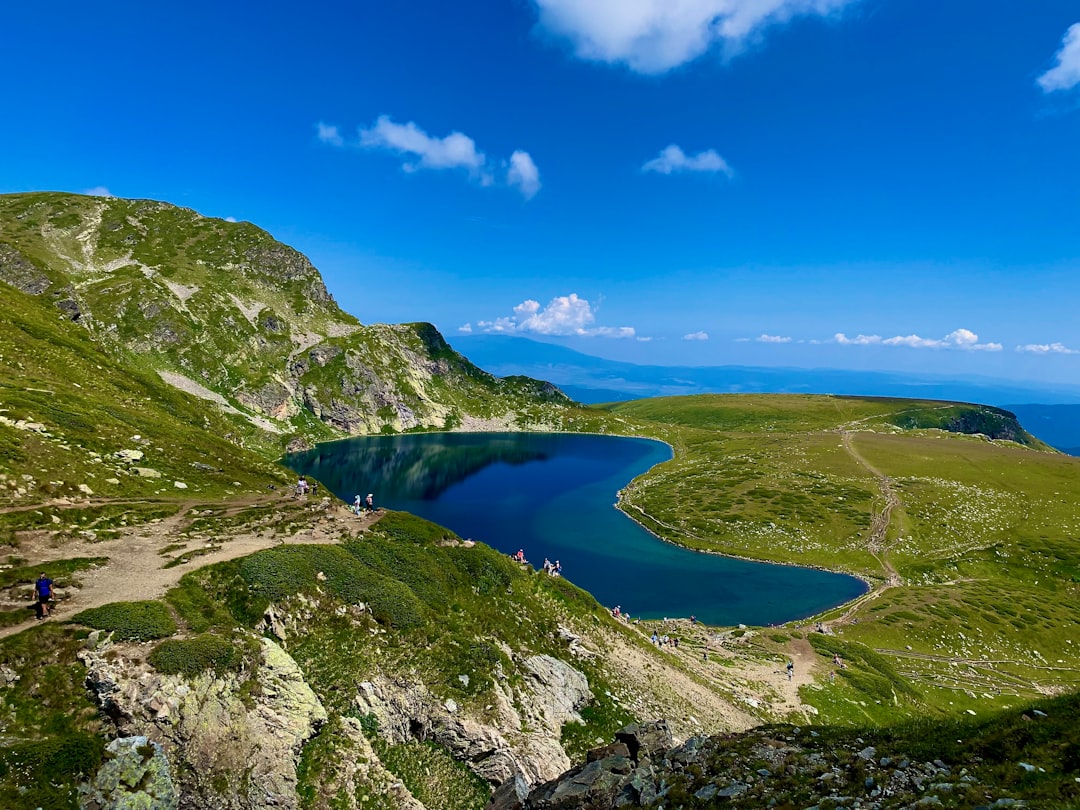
(971, 543)
(223, 309)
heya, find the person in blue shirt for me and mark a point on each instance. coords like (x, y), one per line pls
(43, 591)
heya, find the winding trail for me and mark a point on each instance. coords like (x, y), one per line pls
(136, 568)
(879, 527)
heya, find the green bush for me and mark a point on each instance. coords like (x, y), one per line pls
(408, 528)
(193, 656)
(280, 572)
(130, 621)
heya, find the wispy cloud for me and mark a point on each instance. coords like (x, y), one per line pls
(696, 336)
(963, 339)
(673, 159)
(654, 36)
(565, 315)
(454, 151)
(1047, 348)
(329, 134)
(523, 174)
(98, 191)
(1065, 74)
(772, 339)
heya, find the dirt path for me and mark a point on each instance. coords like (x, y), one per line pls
(879, 527)
(136, 567)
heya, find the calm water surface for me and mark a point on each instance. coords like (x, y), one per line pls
(553, 495)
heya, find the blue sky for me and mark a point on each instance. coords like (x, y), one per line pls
(888, 184)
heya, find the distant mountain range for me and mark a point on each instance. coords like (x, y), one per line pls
(590, 379)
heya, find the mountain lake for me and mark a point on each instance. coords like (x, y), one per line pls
(553, 495)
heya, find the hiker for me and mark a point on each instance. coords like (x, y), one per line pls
(790, 669)
(520, 556)
(43, 592)
(616, 611)
(301, 487)
(556, 569)
(357, 505)
(547, 565)
(370, 502)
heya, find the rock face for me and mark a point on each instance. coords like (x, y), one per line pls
(179, 291)
(619, 775)
(522, 744)
(231, 752)
(134, 776)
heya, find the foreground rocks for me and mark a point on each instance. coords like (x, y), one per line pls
(232, 741)
(778, 766)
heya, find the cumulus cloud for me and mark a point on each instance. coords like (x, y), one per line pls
(654, 36)
(1065, 74)
(564, 315)
(465, 329)
(98, 191)
(772, 339)
(454, 151)
(329, 134)
(523, 174)
(673, 159)
(696, 336)
(963, 339)
(1047, 348)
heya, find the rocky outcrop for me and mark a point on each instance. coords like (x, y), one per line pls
(622, 774)
(521, 742)
(134, 776)
(233, 739)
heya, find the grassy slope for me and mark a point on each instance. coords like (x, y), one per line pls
(223, 303)
(984, 537)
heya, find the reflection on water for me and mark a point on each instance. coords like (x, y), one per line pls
(409, 469)
(551, 494)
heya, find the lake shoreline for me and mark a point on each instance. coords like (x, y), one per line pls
(856, 589)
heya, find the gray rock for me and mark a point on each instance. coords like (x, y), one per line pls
(134, 776)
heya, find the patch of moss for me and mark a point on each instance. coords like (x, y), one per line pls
(193, 656)
(130, 621)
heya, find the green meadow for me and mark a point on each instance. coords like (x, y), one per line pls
(982, 534)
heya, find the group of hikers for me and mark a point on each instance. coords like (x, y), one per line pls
(359, 504)
(552, 569)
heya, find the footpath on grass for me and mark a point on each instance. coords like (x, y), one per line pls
(144, 561)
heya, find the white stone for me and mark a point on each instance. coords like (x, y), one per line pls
(179, 485)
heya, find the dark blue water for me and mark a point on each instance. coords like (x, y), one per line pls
(553, 494)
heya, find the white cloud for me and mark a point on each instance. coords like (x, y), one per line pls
(454, 151)
(564, 315)
(654, 36)
(858, 340)
(329, 134)
(1065, 75)
(98, 191)
(696, 336)
(772, 339)
(1047, 348)
(673, 159)
(523, 174)
(963, 339)
(230, 219)
(465, 329)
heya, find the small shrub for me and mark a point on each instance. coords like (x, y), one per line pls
(130, 621)
(193, 656)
